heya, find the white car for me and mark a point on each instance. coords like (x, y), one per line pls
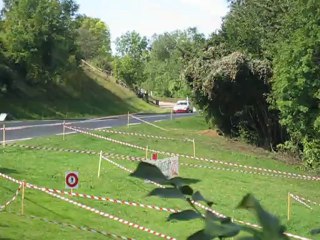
(182, 107)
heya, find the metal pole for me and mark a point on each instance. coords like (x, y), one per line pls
(4, 135)
(22, 197)
(63, 130)
(128, 120)
(147, 153)
(99, 167)
(194, 148)
(289, 206)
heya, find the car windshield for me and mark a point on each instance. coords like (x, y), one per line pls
(182, 103)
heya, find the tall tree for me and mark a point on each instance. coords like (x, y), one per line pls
(130, 64)
(93, 38)
(39, 37)
(296, 81)
(163, 70)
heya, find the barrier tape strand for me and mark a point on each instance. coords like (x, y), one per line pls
(82, 228)
(304, 177)
(138, 134)
(5, 205)
(131, 224)
(304, 199)
(91, 209)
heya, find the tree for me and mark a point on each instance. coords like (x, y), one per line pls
(231, 90)
(163, 70)
(131, 44)
(130, 64)
(93, 38)
(254, 26)
(296, 80)
(39, 37)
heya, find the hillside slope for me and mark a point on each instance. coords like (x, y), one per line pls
(84, 93)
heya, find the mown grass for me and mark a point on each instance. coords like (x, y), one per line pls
(47, 168)
(83, 94)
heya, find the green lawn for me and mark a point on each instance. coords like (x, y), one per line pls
(47, 168)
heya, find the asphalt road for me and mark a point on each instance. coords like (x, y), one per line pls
(25, 130)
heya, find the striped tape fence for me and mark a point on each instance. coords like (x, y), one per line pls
(146, 122)
(116, 201)
(135, 225)
(236, 165)
(126, 169)
(91, 209)
(299, 200)
(221, 215)
(59, 124)
(304, 199)
(72, 226)
(112, 217)
(139, 159)
(137, 134)
(3, 207)
(88, 152)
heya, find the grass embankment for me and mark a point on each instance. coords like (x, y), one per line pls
(47, 169)
(85, 93)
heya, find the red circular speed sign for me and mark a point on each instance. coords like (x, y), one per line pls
(72, 180)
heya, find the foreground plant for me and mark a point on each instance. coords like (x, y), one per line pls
(216, 227)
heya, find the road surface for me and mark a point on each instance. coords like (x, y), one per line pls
(25, 130)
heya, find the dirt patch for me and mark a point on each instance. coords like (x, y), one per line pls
(210, 133)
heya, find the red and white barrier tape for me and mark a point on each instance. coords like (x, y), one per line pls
(132, 158)
(2, 207)
(305, 200)
(239, 171)
(89, 152)
(109, 216)
(60, 124)
(105, 138)
(153, 125)
(137, 134)
(91, 209)
(82, 228)
(107, 199)
(299, 200)
(126, 169)
(304, 177)
(221, 215)
(135, 225)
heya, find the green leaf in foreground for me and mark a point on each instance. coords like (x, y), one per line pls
(270, 224)
(197, 196)
(184, 215)
(167, 193)
(200, 235)
(187, 190)
(315, 231)
(220, 227)
(149, 172)
(180, 181)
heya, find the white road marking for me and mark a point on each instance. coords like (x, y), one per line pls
(159, 121)
(131, 124)
(100, 128)
(16, 140)
(67, 133)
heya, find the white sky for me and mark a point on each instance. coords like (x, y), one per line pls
(155, 16)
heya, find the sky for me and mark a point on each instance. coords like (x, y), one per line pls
(155, 16)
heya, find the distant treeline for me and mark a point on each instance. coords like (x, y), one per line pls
(258, 78)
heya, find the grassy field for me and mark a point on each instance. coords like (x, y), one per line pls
(46, 168)
(84, 94)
